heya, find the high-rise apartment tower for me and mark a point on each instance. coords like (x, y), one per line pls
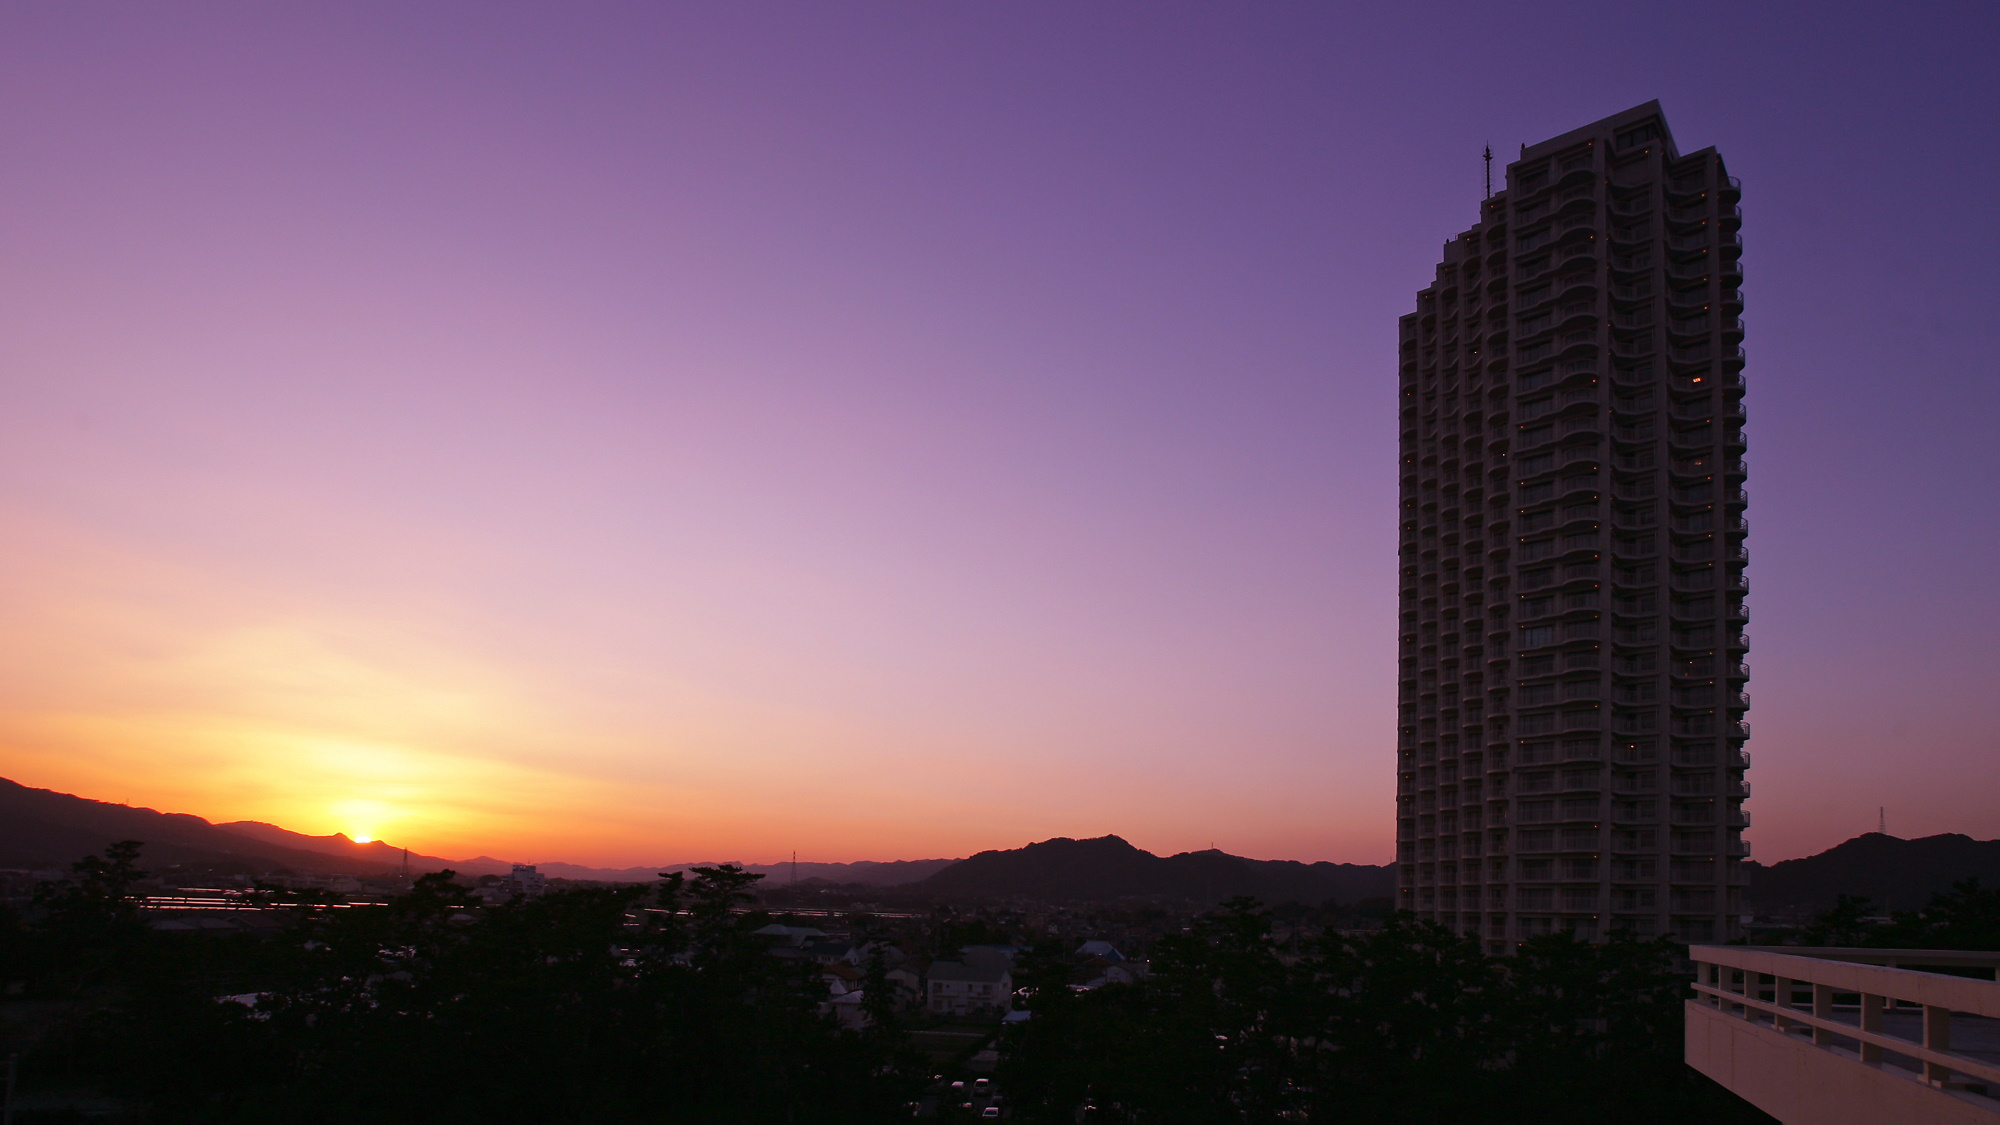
(1571, 708)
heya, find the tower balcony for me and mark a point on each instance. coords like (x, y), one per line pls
(1571, 195)
(1576, 251)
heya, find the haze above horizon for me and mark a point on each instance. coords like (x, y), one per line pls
(896, 432)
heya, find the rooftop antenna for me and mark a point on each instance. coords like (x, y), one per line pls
(1489, 171)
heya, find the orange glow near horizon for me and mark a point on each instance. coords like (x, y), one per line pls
(187, 685)
(239, 709)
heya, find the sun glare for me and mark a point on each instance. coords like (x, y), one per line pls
(367, 818)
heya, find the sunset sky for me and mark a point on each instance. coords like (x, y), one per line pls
(629, 433)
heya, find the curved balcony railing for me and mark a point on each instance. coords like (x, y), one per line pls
(1839, 1034)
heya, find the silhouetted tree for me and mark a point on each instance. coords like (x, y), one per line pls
(91, 926)
(1965, 917)
(1845, 923)
(1412, 1023)
(609, 1004)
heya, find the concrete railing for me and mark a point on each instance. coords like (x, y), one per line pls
(1837, 1035)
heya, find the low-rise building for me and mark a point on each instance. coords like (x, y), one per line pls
(956, 988)
(908, 985)
(525, 880)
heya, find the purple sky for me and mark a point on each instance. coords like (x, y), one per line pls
(640, 432)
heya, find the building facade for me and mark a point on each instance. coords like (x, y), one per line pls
(969, 988)
(1570, 743)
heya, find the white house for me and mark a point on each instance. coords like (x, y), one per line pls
(954, 988)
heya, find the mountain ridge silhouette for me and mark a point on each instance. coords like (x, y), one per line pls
(1109, 867)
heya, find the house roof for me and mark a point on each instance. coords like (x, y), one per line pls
(994, 956)
(958, 971)
(795, 934)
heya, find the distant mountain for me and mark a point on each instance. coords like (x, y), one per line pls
(372, 856)
(868, 872)
(42, 830)
(874, 873)
(1899, 874)
(1108, 867)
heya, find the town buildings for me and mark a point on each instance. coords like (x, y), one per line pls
(1571, 705)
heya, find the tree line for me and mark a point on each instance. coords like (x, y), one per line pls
(659, 1004)
(1965, 917)
(1410, 1023)
(614, 1004)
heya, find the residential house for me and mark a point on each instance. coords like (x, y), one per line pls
(985, 986)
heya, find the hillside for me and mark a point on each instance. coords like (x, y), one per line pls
(42, 830)
(1896, 873)
(1107, 867)
(374, 855)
